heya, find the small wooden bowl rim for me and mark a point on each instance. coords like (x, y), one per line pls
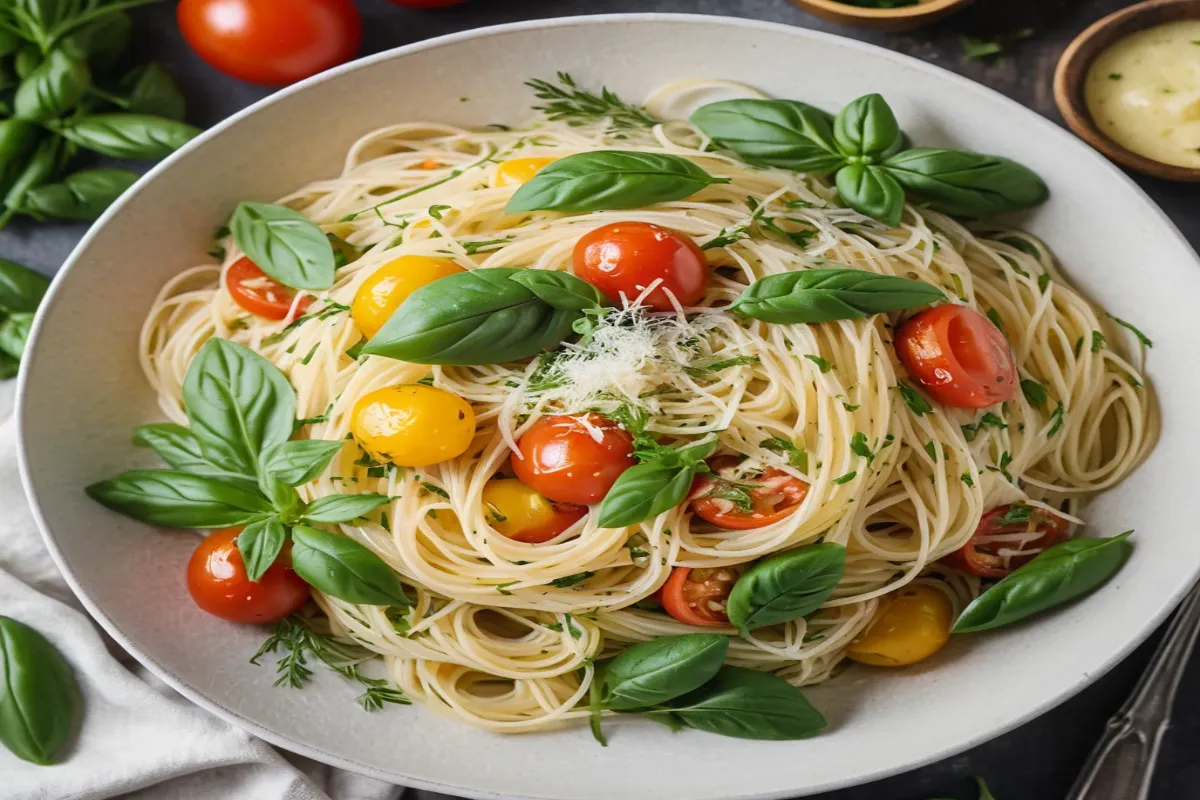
(904, 12)
(1072, 71)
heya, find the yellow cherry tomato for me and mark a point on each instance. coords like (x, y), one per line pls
(521, 513)
(518, 170)
(910, 626)
(413, 425)
(383, 292)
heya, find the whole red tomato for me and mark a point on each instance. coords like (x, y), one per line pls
(271, 42)
(218, 583)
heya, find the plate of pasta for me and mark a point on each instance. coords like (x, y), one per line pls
(793, 431)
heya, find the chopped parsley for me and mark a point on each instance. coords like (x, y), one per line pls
(1114, 76)
(571, 580)
(917, 404)
(988, 420)
(858, 446)
(994, 316)
(478, 247)
(1056, 418)
(849, 476)
(1043, 282)
(931, 449)
(502, 588)
(1035, 392)
(1002, 467)
(1017, 512)
(849, 407)
(435, 489)
(967, 479)
(821, 363)
(717, 366)
(437, 211)
(796, 456)
(1141, 337)
(1098, 341)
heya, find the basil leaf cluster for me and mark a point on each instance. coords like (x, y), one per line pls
(826, 295)
(1057, 575)
(485, 316)
(62, 60)
(870, 158)
(648, 489)
(683, 682)
(786, 586)
(21, 292)
(235, 463)
(40, 704)
(609, 180)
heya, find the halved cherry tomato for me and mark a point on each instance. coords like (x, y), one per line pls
(271, 42)
(521, 514)
(573, 459)
(698, 596)
(626, 257)
(721, 498)
(217, 581)
(998, 547)
(259, 293)
(958, 356)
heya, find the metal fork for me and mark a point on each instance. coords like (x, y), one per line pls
(1121, 766)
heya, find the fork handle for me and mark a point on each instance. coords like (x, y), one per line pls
(1121, 766)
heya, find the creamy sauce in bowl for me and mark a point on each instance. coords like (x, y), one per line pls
(1143, 92)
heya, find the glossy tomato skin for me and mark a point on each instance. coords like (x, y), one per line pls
(217, 581)
(524, 515)
(561, 458)
(271, 42)
(626, 257)
(957, 356)
(775, 495)
(698, 596)
(261, 295)
(980, 555)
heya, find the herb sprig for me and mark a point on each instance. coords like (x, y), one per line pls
(567, 102)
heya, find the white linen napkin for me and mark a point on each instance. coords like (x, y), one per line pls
(139, 738)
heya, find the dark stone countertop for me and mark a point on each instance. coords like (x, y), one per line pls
(1037, 761)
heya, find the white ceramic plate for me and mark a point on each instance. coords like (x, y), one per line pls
(82, 393)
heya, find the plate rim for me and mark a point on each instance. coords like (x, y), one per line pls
(284, 742)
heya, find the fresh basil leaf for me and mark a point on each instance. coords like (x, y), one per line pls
(646, 490)
(285, 244)
(343, 568)
(785, 587)
(560, 290)
(21, 289)
(179, 499)
(27, 60)
(260, 543)
(40, 704)
(82, 195)
(238, 404)
(774, 133)
(102, 41)
(53, 88)
(747, 704)
(476, 317)
(651, 673)
(966, 184)
(872, 191)
(607, 180)
(867, 127)
(42, 166)
(177, 446)
(297, 462)
(47, 15)
(150, 89)
(1034, 391)
(335, 508)
(1058, 574)
(18, 141)
(14, 331)
(9, 42)
(826, 295)
(121, 135)
(9, 366)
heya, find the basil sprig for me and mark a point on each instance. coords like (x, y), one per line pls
(235, 464)
(485, 316)
(21, 291)
(785, 587)
(826, 295)
(682, 681)
(870, 157)
(53, 88)
(127, 135)
(40, 703)
(648, 489)
(1057, 575)
(81, 195)
(285, 244)
(608, 180)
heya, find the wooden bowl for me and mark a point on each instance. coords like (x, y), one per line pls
(1071, 75)
(882, 18)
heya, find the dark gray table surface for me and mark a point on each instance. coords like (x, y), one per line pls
(1037, 761)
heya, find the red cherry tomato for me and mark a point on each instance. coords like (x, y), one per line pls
(427, 3)
(259, 293)
(999, 547)
(217, 581)
(698, 596)
(572, 462)
(271, 42)
(958, 356)
(741, 504)
(626, 257)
